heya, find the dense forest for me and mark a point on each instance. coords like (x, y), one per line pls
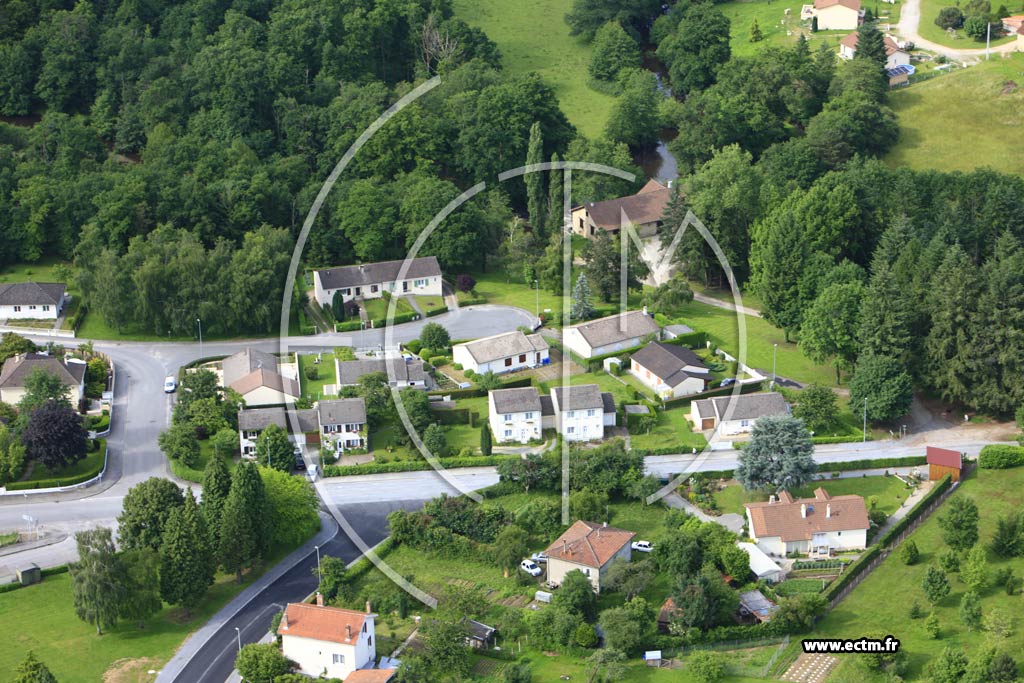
(179, 145)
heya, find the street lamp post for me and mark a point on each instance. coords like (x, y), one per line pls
(865, 437)
(536, 289)
(319, 573)
(775, 355)
(238, 633)
(200, 323)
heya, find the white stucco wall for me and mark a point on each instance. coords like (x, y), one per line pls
(316, 657)
(428, 286)
(33, 312)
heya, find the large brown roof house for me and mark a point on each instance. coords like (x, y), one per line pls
(643, 210)
(328, 640)
(817, 526)
(17, 369)
(588, 547)
(370, 280)
(256, 375)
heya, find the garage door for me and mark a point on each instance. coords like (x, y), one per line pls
(707, 423)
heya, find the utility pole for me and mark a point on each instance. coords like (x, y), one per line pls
(864, 440)
(988, 40)
(775, 356)
(318, 572)
(200, 323)
(238, 632)
(536, 289)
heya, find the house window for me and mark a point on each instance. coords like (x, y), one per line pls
(570, 430)
(508, 418)
(508, 362)
(17, 309)
(252, 435)
(338, 659)
(581, 224)
(522, 358)
(744, 423)
(31, 308)
(529, 416)
(590, 413)
(46, 308)
(374, 288)
(346, 291)
(508, 432)
(572, 413)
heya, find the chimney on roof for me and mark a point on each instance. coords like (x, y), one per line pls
(368, 610)
(319, 599)
(348, 631)
(828, 510)
(284, 621)
(803, 509)
(565, 547)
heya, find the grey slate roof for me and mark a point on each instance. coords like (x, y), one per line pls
(342, 411)
(677, 330)
(608, 402)
(258, 419)
(547, 407)
(617, 328)
(350, 371)
(747, 407)
(308, 420)
(580, 397)
(504, 345)
(18, 368)
(245, 362)
(32, 294)
(376, 273)
(521, 400)
(667, 361)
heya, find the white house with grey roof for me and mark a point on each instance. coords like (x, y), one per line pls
(31, 300)
(608, 335)
(515, 415)
(712, 413)
(500, 353)
(400, 372)
(343, 424)
(422, 276)
(582, 412)
(671, 371)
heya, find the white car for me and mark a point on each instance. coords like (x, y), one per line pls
(170, 384)
(531, 568)
(539, 558)
(642, 546)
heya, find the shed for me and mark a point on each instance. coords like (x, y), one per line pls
(612, 364)
(763, 567)
(943, 461)
(756, 605)
(28, 574)
(480, 636)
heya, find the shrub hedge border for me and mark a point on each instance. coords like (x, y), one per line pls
(915, 512)
(412, 465)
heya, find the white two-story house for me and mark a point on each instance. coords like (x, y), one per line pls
(502, 353)
(582, 412)
(371, 280)
(589, 548)
(343, 424)
(328, 641)
(817, 526)
(515, 415)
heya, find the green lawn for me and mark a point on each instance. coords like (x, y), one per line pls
(430, 303)
(377, 309)
(800, 586)
(722, 328)
(47, 270)
(91, 465)
(891, 492)
(930, 11)
(778, 28)
(532, 36)
(46, 624)
(961, 121)
(673, 428)
(621, 390)
(880, 604)
(195, 474)
(313, 389)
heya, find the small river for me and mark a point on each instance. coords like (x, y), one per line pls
(658, 162)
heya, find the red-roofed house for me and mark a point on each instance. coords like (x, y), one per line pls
(942, 461)
(590, 548)
(816, 525)
(835, 15)
(327, 641)
(372, 676)
(642, 210)
(1013, 24)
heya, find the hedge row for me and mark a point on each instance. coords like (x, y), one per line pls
(915, 512)
(434, 311)
(412, 465)
(720, 391)
(996, 457)
(851, 573)
(476, 301)
(823, 468)
(476, 392)
(397, 320)
(348, 326)
(51, 571)
(692, 340)
(56, 482)
(363, 565)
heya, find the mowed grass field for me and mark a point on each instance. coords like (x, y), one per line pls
(964, 120)
(778, 28)
(533, 36)
(891, 492)
(930, 31)
(869, 610)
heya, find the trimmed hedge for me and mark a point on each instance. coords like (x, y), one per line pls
(915, 512)
(997, 457)
(434, 311)
(851, 573)
(823, 468)
(348, 326)
(412, 465)
(397, 320)
(363, 565)
(476, 392)
(475, 301)
(693, 340)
